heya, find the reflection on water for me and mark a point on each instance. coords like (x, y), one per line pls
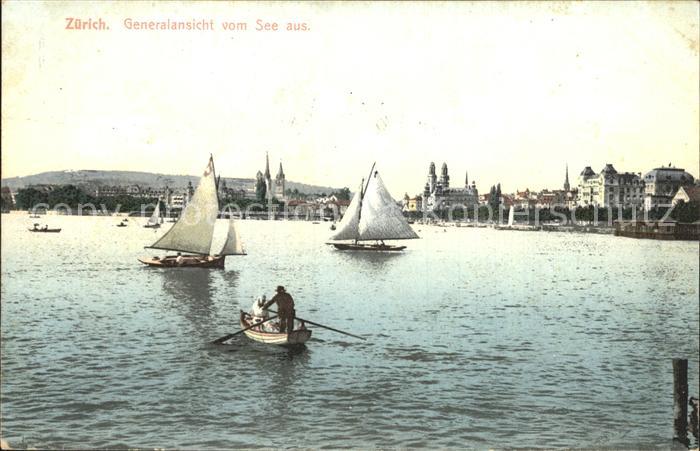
(192, 284)
(373, 258)
(577, 331)
(192, 293)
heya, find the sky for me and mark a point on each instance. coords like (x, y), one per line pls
(510, 92)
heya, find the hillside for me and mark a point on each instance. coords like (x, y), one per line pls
(92, 178)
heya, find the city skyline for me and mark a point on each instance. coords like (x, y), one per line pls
(509, 92)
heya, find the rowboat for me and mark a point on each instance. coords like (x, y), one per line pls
(44, 230)
(295, 337)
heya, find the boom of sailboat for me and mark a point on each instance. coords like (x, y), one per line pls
(372, 215)
(194, 231)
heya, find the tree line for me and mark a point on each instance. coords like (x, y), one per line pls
(72, 196)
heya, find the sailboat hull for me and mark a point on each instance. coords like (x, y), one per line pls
(367, 247)
(188, 261)
(152, 226)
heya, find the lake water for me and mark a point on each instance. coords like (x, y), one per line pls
(475, 338)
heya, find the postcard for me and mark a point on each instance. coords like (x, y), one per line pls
(429, 225)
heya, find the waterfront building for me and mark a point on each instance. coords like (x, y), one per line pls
(412, 204)
(551, 198)
(661, 184)
(523, 200)
(133, 191)
(687, 194)
(571, 197)
(228, 194)
(173, 199)
(438, 195)
(274, 189)
(610, 188)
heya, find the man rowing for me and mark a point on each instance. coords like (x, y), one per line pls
(285, 309)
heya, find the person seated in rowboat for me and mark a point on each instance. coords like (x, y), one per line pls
(46, 227)
(36, 226)
(257, 311)
(179, 259)
(285, 309)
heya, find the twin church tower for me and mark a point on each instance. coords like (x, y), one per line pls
(274, 189)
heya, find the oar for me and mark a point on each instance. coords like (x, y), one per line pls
(321, 325)
(226, 337)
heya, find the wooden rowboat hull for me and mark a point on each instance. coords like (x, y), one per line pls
(294, 338)
(367, 247)
(152, 226)
(45, 231)
(187, 262)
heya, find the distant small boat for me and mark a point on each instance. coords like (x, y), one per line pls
(44, 230)
(315, 222)
(372, 215)
(34, 216)
(295, 337)
(155, 220)
(121, 224)
(332, 226)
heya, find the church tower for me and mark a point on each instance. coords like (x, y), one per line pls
(567, 187)
(466, 179)
(432, 178)
(444, 177)
(268, 179)
(280, 183)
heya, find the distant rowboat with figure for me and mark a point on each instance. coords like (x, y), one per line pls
(44, 229)
(372, 215)
(194, 231)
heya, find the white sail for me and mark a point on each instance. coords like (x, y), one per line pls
(233, 245)
(347, 229)
(380, 217)
(156, 214)
(511, 216)
(194, 230)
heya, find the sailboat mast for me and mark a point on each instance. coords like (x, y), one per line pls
(363, 190)
(213, 170)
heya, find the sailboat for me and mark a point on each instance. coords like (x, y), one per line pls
(194, 230)
(372, 215)
(153, 221)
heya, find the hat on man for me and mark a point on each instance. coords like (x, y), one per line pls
(280, 288)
